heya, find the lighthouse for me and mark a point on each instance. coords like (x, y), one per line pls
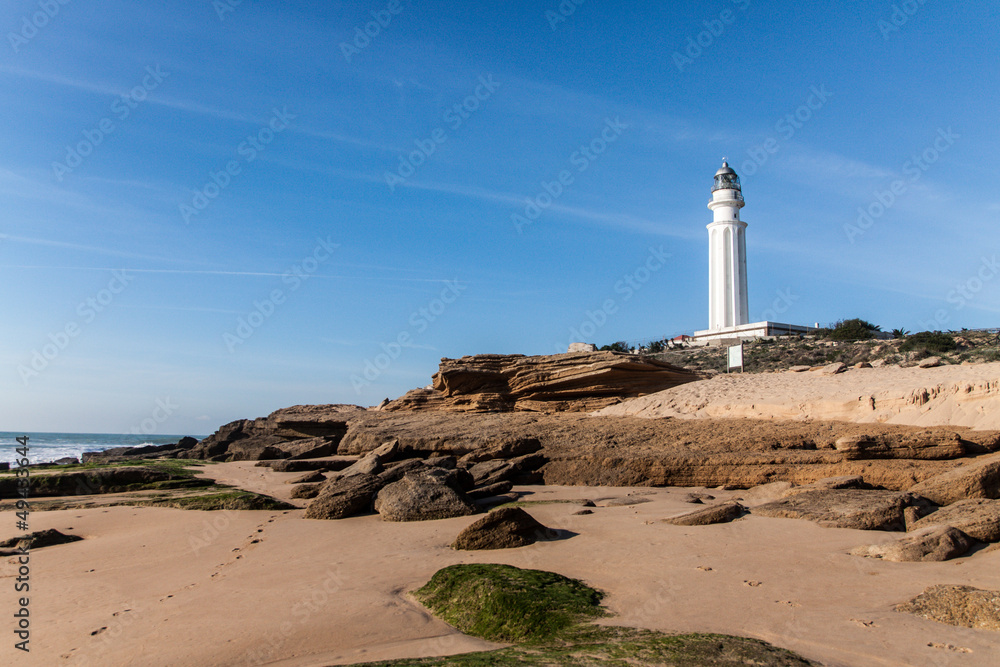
(728, 313)
(727, 254)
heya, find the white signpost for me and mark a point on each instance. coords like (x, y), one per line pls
(735, 358)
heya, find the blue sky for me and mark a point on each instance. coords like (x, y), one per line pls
(198, 225)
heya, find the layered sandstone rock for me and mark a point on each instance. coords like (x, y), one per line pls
(617, 451)
(301, 431)
(576, 381)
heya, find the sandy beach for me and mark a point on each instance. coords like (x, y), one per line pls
(160, 586)
(171, 587)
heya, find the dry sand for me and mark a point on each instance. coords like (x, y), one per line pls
(174, 587)
(946, 395)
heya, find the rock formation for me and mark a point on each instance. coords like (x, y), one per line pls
(36, 540)
(844, 508)
(576, 381)
(935, 543)
(721, 513)
(979, 478)
(963, 606)
(299, 432)
(503, 528)
(977, 517)
(420, 496)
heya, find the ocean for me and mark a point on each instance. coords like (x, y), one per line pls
(46, 447)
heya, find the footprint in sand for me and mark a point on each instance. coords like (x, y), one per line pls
(864, 624)
(753, 584)
(950, 647)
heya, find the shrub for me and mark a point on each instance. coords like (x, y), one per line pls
(933, 342)
(854, 329)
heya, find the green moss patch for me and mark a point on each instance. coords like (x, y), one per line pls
(228, 500)
(507, 604)
(548, 617)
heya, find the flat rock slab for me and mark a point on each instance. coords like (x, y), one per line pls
(978, 518)
(843, 508)
(932, 544)
(979, 478)
(723, 513)
(963, 606)
(828, 484)
(504, 528)
(36, 540)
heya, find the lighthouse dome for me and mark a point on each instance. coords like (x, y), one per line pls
(726, 179)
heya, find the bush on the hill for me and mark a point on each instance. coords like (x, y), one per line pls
(930, 341)
(620, 346)
(854, 329)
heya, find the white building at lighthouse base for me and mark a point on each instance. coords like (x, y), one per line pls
(748, 331)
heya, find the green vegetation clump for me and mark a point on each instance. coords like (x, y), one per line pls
(854, 329)
(503, 603)
(546, 615)
(933, 342)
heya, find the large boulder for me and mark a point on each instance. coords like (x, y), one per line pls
(344, 497)
(963, 606)
(934, 543)
(578, 381)
(844, 508)
(504, 528)
(976, 517)
(979, 478)
(721, 513)
(420, 496)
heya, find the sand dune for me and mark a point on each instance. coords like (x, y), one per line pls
(946, 395)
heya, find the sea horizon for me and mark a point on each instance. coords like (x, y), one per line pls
(47, 447)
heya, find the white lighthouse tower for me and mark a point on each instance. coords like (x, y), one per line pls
(728, 313)
(727, 254)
